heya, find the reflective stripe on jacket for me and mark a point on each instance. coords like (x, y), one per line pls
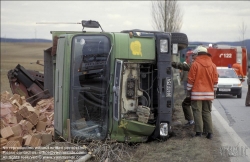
(202, 78)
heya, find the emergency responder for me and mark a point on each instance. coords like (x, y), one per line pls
(202, 82)
(247, 103)
(186, 103)
(238, 69)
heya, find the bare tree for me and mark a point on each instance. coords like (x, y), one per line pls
(166, 15)
(242, 30)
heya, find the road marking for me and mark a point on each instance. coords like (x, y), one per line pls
(228, 136)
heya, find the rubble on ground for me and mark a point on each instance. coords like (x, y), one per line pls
(25, 125)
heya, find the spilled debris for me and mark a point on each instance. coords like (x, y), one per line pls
(27, 133)
(25, 125)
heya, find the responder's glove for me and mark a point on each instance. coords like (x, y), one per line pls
(188, 95)
(174, 64)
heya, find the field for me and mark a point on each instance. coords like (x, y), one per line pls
(180, 147)
(25, 54)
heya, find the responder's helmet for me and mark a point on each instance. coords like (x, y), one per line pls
(239, 61)
(200, 49)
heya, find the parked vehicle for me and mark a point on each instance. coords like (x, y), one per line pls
(115, 85)
(228, 82)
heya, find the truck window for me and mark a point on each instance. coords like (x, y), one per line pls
(89, 86)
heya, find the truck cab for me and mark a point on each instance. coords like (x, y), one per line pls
(112, 85)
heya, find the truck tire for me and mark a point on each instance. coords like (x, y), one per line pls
(181, 39)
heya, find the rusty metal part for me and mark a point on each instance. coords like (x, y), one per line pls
(39, 62)
(54, 47)
(27, 83)
(38, 76)
(38, 96)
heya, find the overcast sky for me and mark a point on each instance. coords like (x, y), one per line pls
(209, 21)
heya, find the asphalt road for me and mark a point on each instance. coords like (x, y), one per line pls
(232, 118)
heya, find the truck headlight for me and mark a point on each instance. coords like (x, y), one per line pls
(164, 45)
(163, 129)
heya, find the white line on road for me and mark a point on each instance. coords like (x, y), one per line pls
(228, 136)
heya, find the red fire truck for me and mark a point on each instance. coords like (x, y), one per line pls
(225, 55)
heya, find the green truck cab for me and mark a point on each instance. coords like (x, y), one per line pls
(112, 85)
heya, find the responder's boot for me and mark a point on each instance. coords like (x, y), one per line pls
(248, 97)
(209, 136)
(198, 134)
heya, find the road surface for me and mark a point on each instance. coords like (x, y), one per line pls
(232, 119)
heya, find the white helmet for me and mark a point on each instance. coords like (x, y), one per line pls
(200, 49)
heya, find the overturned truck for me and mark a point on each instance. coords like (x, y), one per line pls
(109, 85)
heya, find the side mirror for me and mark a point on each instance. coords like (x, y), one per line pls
(91, 24)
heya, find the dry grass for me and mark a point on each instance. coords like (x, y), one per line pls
(181, 147)
(25, 54)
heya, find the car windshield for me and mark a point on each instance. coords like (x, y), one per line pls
(227, 73)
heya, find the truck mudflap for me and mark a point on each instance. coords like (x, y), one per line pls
(27, 83)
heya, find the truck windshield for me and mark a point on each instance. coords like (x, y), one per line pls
(89, 86)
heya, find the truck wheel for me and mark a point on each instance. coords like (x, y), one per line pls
(181, 39)
(239, 95)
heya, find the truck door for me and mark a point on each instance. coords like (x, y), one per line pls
(58, 86)
(89, 86)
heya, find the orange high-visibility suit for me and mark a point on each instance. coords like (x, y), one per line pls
(238, 69)
(202, 82)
